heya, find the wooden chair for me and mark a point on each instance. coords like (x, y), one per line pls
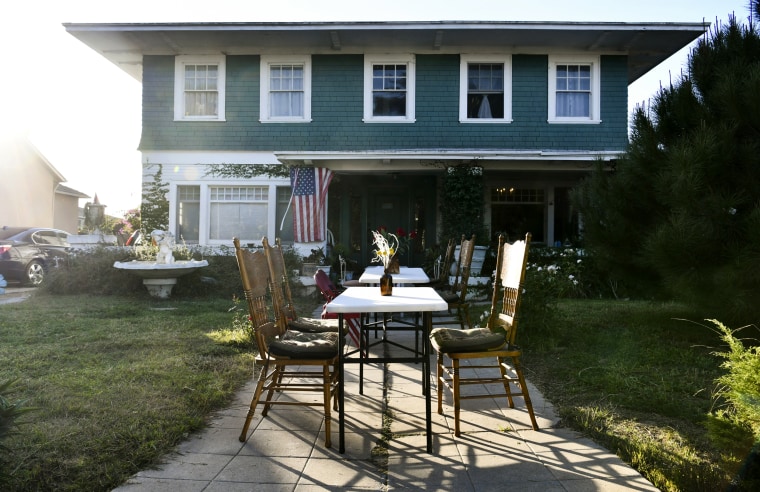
(442, 267)
(456, 294)
(289, 360)
(496, 341)
(285, 313)
(343, 281)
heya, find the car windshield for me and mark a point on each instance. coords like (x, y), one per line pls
(7, 232)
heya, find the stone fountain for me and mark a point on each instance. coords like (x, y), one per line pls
(160, 276)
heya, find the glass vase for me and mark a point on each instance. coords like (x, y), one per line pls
(394, 266)
(386, 284)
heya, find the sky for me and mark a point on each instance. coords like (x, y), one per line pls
(84, 114)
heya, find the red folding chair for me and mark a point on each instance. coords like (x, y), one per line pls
(329, 292)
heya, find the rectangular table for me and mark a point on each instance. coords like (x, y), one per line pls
(406, 275)
(423, 300)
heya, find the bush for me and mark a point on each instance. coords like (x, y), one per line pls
(91, 271)
(552, 274)
(739, 417)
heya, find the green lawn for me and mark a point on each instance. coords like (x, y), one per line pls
(638, 377)
(117, 382)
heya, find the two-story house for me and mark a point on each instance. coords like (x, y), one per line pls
(384, 108)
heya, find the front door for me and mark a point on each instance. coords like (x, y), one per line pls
(389, 208)
(360, 204)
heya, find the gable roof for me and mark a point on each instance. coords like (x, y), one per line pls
(65, 190)
(645, 44)
(15, 146)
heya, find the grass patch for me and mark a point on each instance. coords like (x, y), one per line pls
(115, 383)
(639, 379)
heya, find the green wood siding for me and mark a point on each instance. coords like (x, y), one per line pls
(337, 102)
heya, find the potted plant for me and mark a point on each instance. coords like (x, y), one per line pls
(317, 260)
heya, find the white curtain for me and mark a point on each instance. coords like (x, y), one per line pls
(286, 103)
(573, 104)
(485, 108)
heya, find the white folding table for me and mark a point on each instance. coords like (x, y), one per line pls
(423, 300)
(406, 275)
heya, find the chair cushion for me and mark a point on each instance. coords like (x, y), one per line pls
(454, 340)
(299, 345)
(313, 325)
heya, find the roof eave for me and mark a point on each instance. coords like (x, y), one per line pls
(124, 44)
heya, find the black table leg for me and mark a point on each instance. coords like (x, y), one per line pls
(428, 323)
(341, 412)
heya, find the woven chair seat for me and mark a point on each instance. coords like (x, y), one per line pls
(453, 340)
(313, 325)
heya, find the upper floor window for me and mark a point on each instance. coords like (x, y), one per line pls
(485, 89)
(199, 83)
(285, 89)
(574, 89)
(389, 88)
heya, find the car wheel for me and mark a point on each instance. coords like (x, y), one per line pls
(35, 273)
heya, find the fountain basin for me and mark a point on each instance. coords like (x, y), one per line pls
(159, 278)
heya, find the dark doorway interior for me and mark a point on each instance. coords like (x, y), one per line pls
(359, 204)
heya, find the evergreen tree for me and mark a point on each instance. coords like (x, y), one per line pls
(680, 214)
(154, 212)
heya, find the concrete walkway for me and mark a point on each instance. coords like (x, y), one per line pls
(385, 446)
(16, 293)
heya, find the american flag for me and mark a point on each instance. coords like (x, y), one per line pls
(309, 192)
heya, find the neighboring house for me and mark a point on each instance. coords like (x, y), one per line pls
(385, 106)
(68, 213)
(31, 189)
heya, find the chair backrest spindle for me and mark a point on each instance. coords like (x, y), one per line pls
(282, 299)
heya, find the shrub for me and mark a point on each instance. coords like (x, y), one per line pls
(552, 274)
(91, 271)
(739, 388)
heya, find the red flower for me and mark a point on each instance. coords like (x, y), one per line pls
(404, 238)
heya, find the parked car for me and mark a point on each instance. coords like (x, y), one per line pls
(27, 253)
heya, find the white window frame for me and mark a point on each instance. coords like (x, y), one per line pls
(405, 59)
(594, 116)
(464, 63)
(204, 232)
(179, 85)
(236, 199)
(266, 64)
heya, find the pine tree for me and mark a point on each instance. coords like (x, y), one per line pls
(154, 211)
(681, 212)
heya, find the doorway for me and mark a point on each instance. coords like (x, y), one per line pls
(360, 204)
